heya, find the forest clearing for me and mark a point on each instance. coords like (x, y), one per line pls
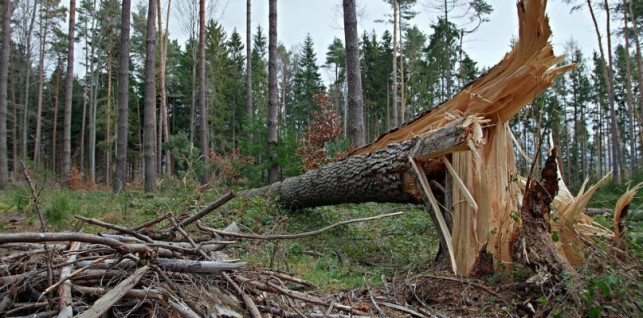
(251, 190)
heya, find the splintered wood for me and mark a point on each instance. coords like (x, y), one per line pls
(484, 188)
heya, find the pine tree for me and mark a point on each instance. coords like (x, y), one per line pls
(307, 85)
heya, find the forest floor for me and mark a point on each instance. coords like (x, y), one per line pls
(384, 261)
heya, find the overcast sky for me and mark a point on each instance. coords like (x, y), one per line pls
(324, 21)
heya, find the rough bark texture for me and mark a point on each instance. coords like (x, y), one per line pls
(149, 130)
(249, 58)
(123, 99)
(376, 177)
(203, 122)
(273, 97)
(355, 123)
(4, 80)
(69, 93)
(396, 122)
(534, 246)
(380, 176)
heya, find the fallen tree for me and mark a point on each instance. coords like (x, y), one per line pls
(472, 183)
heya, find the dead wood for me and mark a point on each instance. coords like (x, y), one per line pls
(110, 298)
(534, 246)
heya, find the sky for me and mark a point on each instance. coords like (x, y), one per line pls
(323, 20)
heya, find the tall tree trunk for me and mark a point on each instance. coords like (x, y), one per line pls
(639, 62)
(69, 93)
(85, 95)
(630, 96)
(123, 101)
(149, 130)
(108, 124)
(41, 85)
(616, 136)
(273, 97)
(249, 59)
(163, 131)
(607, 74)
(25, 112)
(354, 77)
(396, 122)
(194, 90)
(203, 120)
(54, 135)
(4, 81)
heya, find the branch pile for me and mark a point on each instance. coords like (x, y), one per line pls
(150, 271)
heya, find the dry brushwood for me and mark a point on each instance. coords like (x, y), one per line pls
(138, 271)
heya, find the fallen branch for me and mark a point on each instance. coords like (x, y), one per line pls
(300, 235)
(110, 298)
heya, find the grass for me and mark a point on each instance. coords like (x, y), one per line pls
(347, 257)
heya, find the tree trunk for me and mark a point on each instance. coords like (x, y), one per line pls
(380, 176)
(25, 112)
(69, 87)
(149, 130)
(41, 85)
(355, 121)
(630, 97)
(54, 135)
(108, 124)
(4, 81)
(123, 100)
(396, 122)
(249, 60)
(639, 62)
(163, 131)
(273, 97)
(203, 128)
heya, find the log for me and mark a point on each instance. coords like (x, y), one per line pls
(380, 176)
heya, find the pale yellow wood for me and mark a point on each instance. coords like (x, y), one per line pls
(437, 211)
(460, 184)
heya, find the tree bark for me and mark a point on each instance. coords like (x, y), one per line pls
(355, 121)
(203, 121)
(273, 98)
(4, 81)
(25, 112)
(54, 134)
(639, 62)
(396, 122)
(380, 176)
(630, 96)
(41, 84)
(69, 87)
(123, 100)
(149, 130)
(249, 59)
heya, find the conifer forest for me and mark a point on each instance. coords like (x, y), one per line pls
(229, 173)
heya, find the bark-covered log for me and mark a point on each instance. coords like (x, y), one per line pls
(381, 176)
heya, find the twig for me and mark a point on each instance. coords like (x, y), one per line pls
(404, 309)
(64, 275)
(270, 287)
(471, 283)
(149, 223)
(300, 235)
(379, 310)
(43, 225)
(115, 228)
(211, 207)
(289, 278)
(184, 311)
(250, 304)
